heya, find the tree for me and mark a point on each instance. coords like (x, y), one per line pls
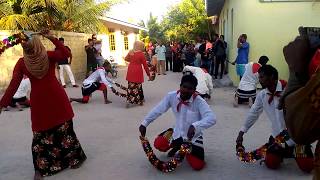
(186, 20)
(155, 32)
(65, 15)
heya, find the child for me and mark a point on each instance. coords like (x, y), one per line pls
(98, 80)
(193, 115)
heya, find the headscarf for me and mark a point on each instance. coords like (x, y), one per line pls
(138, 46)
(35, 57)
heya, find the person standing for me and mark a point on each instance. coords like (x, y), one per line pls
(91, 57)
(243, 55)
(161, 57)
(65, 65)
(219, 51)
(134, 77)
(168, 57)
(225, 54)
(150, 49)
(97, 44)
(55, 145)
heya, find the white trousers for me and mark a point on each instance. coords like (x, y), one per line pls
(69, 72)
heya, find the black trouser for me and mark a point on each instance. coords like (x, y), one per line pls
(219, 60)
(197, 151)
(168, 63)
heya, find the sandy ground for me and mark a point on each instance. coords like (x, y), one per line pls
(109, 136)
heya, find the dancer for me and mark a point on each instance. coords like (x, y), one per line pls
(193, 115)
(268, 100)
(247, 89)
(205, 86)
(55, 146)
(98, 80)
(20, 97)
(134, 77)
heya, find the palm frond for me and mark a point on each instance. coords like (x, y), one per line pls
(5, 9)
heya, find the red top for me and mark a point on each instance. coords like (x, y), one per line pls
(135, 72)
(50, 103)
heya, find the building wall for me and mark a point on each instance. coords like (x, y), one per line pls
(120, 51)
(269, 26)
(76, 42)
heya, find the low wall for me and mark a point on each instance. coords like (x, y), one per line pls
(75, 41)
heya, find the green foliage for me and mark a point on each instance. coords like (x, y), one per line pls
(65, 15)
(186, 20)
(155, 32)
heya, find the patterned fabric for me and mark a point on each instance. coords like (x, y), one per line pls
(56, 149)
(135, 93)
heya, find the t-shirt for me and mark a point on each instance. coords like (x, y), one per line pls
(65, 61)
(161, 52)
(243, 54)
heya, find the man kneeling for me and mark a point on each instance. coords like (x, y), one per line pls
(98, 80)
(193, 115)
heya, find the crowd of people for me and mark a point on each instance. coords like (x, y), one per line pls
(208, 54)
(55, 146)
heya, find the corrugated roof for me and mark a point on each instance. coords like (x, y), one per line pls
(214, 7)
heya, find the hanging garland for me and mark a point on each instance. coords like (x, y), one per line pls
(12, 40)
(117, 93)
(260, 153)
(170, 165)
(152, 71)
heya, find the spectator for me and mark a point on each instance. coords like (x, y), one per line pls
(91, 58)
(243, 55)
(65, 65)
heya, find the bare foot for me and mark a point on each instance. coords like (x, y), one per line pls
(107, 102)
(37, 176)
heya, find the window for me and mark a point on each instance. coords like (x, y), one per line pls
(112, 42)
(126, 42)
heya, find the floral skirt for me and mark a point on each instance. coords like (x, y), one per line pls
(135, 93)
(56, 149)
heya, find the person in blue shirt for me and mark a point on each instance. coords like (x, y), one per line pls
(243, 55)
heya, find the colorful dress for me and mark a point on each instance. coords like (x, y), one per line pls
(135, 77)
(55, 145)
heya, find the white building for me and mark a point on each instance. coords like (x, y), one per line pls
(119, 39)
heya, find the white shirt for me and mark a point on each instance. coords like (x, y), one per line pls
(274, 114)
(197, 113)
(204, 79)
(99, 75)
(23, 88)
(250, 78)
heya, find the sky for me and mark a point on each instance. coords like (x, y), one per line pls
(136, 10)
